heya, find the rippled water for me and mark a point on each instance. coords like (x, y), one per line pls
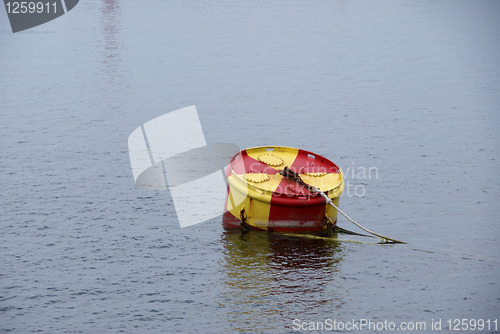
(410, 90)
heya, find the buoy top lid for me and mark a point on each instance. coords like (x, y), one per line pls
(259, 167)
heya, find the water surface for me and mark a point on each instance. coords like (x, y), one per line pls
(410, 89)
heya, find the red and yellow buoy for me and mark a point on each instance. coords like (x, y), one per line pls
(259, 196)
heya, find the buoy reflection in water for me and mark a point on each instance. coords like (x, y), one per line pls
(272, 278)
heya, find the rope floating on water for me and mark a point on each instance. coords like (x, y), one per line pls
(310, 236)
(429, 250)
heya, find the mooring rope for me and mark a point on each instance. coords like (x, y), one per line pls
(310, 236)
(336, 228)
(290, 174)
(430, 250)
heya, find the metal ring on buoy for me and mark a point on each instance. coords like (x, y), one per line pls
(271, 160)
(314, 170)
(256, 177)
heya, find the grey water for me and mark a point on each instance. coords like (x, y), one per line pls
(409, 89)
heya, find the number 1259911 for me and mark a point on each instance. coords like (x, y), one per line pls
(472, 324)
(31, 7)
